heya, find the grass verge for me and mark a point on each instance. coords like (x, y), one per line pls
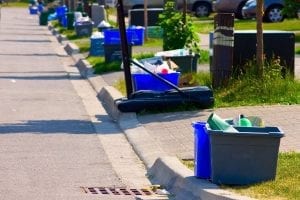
(250, 89)
(286, 25)
(285, 186)
(16, 4)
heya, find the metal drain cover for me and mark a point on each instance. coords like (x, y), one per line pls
(118, 191)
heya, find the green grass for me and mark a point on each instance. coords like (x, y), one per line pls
(153, 42)
(204, 56)
(101, 66)
(249, 89)
(298, 50)
(16, 4)
(297, 37)
(285, 186)
(203, 27)
(83, 44)
(286, 25)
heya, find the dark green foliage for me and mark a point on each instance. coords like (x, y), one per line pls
(178, 32)
(291, 8)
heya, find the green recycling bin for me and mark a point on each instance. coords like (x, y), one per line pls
(43, 19)
(70, 20)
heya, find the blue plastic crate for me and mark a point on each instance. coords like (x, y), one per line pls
(96, 47)
(135, 36)
(149, 82)
(33, 10)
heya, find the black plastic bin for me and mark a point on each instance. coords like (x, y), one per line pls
(70, 20)
(113, 52)
(83, 28)
(247, 157)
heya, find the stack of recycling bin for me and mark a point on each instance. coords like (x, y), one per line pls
(230, 154)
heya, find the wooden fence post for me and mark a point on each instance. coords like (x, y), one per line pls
(223, 41)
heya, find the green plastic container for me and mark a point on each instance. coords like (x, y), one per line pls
(70, 20)
(217, 123)
(154, 32)
(43, 19)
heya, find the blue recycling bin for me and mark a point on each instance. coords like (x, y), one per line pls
(40, 8)
(61, 14)
(202, 160)
(96, 47)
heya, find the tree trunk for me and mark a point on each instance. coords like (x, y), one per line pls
(184, 11)
(146, 19)
(259, 37)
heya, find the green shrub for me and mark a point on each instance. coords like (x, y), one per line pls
(178, 31)
(291, 8)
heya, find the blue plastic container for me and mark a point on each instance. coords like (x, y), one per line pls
(97, 48)
(112, 36)
(61, 14)
(40, 8)
(33, 10)
(149, 82)
(135, 36)
(64, 21)
(202, 160)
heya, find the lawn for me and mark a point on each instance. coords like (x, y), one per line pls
(286, 25)
(285, 186)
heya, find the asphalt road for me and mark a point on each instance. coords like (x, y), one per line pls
(49, 147)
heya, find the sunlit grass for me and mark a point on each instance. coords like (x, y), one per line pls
(286, 185)
(298, 50)
(286, 25)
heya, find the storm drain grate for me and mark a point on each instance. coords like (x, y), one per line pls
(118, 191)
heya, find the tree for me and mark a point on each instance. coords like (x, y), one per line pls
(146, 19)
(259, 37)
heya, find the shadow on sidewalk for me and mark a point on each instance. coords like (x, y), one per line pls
(31, 41)
(54, 127)
(33, 54)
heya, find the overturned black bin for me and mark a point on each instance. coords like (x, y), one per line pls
(113, 52)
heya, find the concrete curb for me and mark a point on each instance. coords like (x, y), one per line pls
(85, 68)
(170, 172)
(71, 48)
(162, 169)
